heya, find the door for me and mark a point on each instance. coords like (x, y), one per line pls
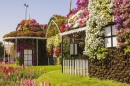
(28, 57)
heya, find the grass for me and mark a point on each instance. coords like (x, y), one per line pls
(37, 68)
(46, 68)
(57, 78)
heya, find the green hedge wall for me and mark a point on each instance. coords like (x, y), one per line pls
(42, 57)
(115, 67)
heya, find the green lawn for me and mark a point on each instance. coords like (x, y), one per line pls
(46, 68)
(37, 68)
(57, 78)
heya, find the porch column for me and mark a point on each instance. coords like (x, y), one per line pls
(37, 51)
(8, 52)
(16, 48)
(4, 51)
(62, 52)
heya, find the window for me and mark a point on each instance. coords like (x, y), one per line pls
(28, 57)
(73, 49)
(110, 36)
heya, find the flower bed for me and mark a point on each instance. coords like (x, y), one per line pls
(17, 76)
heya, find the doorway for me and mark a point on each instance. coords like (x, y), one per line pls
(28, 57)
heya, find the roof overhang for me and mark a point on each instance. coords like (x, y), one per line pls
(73, 31)
(22, 37)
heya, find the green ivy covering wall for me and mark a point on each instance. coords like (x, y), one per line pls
(115, 67)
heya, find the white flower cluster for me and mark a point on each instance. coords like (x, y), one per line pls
(100, 14)
(54, 40)
(75, 20)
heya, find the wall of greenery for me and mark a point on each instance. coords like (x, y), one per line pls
(26, 44)
(53, 45)
(115, 67)
(52, 29)
(42, 57)
(75, 38)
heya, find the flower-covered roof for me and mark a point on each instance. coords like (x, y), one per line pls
(29, 28)
(77, 17)
(29, 25)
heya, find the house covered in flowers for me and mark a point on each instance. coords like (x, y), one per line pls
(107, 39)
(73, 39)
(106, 43)
(29, 42)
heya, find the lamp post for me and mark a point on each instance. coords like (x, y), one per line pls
(70, 5)
(26, 10)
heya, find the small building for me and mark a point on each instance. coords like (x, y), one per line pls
(29, 42)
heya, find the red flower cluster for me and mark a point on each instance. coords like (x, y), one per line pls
(57, 51)
(64, 27)
(7, 70)
(49, 52)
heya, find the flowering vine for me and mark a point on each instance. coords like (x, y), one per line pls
(27, 44)
(55, 41)
(100, 15)
(81, 4)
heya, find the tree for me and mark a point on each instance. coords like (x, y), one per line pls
(1, 50)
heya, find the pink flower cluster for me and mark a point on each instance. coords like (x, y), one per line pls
(43, 83)
(81, 4)
(77, 17)
(30, 25)
(122, 18)
(19, 76)
(28, 82)
(7, 70)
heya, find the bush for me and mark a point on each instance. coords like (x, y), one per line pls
(19, 61)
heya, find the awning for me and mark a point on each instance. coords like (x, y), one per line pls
(73, 31)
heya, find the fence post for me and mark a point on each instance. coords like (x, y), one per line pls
(83, 67)
(75, 67)
(87, 68)
(79, 68)
(69, 66)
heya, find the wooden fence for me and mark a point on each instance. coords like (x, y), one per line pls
(75, 67)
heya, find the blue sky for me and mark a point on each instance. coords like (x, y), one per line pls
(13, 11)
